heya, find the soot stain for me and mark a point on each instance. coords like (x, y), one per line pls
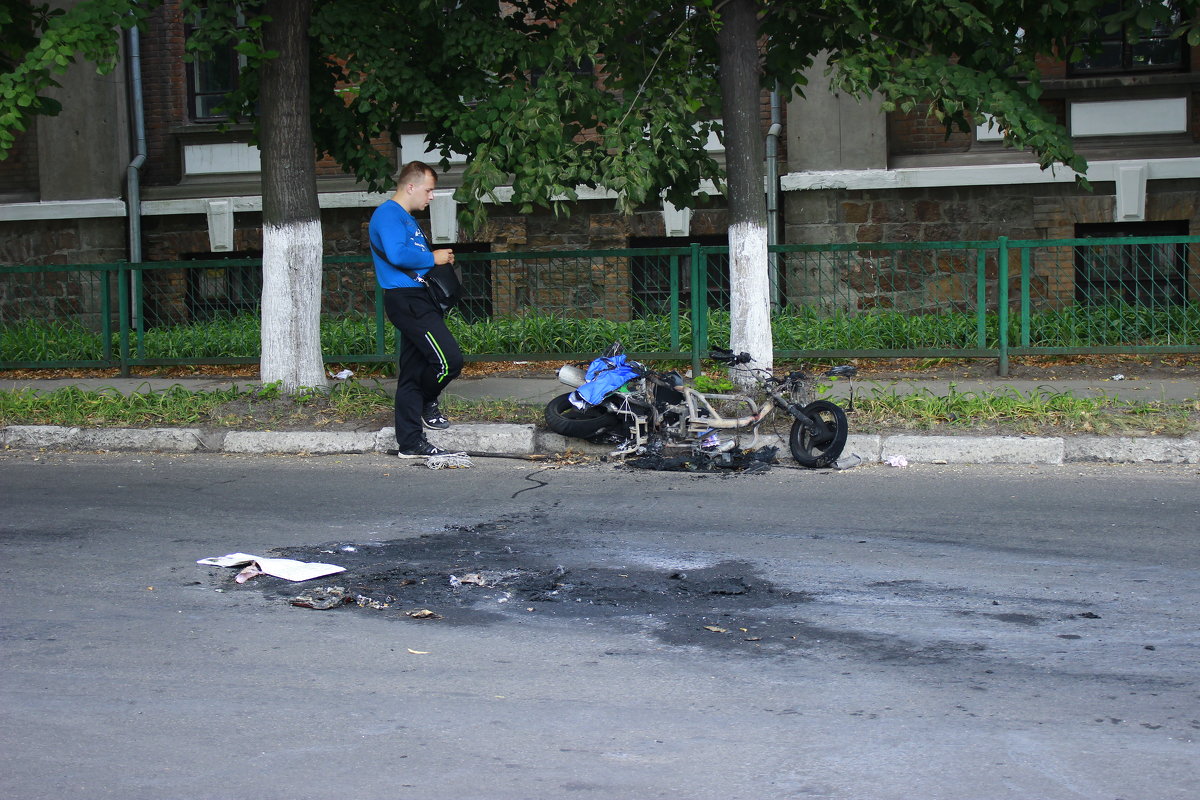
(487, 573)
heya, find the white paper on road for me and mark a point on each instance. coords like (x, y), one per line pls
(286, 568)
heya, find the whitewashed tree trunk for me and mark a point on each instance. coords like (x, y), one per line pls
(292, 242)
(291, 305)
(749, 279)
(749, 296)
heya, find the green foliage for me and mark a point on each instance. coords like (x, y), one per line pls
(622, 96)
(1023, 412)
(1079, 326)
(37, 340)
(74, 406)
(40, 43)
(712, 384)
(267, 406)
(618, 95)
(535, 333)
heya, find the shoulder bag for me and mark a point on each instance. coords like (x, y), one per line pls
(440, 280)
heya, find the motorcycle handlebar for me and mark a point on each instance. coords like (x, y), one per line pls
(729, 357)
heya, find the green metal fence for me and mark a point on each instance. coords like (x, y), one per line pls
(993, 299)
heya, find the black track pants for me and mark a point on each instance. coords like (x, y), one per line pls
(429, 358)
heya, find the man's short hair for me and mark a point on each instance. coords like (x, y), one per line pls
(414, 172)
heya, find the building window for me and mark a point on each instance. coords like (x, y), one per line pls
(222, 292)
(1136, 274)
(210, 81)
(211, 78)
(476, 279)
(1155, 51)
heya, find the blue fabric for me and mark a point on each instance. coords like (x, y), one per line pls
(394, 231)
(605, 376)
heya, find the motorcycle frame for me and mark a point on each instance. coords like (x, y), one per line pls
(694, 402)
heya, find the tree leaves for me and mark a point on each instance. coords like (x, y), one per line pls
(40, 43)
(616, 94)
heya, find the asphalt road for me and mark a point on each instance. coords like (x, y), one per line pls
(928, 632)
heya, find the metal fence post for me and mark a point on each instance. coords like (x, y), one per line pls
(699, 306)
(137, 305)
(981, 298)
(1002, 306)
(123, 302)
(1026, 300)
(674, 306)
(106, 326)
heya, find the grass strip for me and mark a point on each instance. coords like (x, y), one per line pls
(266, 407)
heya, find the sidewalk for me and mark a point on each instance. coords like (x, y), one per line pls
(527, 440)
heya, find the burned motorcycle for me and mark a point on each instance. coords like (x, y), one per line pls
(648, 412)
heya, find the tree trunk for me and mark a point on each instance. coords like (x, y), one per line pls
(749, 286)
(292, 242)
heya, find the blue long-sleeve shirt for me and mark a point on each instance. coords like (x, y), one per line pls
(395, 232)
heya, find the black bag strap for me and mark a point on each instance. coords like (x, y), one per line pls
(416, 276)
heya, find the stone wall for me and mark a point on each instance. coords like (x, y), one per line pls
(921, 281)
(68, 296)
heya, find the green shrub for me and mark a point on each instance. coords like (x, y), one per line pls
(238, 337)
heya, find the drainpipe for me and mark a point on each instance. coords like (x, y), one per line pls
(133, 192)
(773, 193)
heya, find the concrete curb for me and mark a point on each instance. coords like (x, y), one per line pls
(310, 442)
(974, 449)
(1131, 449)
(53, 437)
(512, 439)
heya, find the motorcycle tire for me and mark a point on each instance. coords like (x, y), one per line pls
(566, 419)
(822, 448)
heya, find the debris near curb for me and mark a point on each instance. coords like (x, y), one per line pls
(323, 598)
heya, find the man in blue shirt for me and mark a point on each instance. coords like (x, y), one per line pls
(429, 355)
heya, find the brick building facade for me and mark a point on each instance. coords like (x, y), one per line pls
(899, 178)
(850, 173)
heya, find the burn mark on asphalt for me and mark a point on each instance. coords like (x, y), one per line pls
(498, 570)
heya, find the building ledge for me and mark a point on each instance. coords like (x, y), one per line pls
(62, 209)
(982, 174)
(1167, 82)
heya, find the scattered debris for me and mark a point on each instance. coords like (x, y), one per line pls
(744, 461)
(471, 578)
(422, 613)
(848, 462)
(249, 571)
(286, 568)
(362, 601)
(323, 598)
(449, 461)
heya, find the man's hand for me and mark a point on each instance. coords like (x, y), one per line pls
(445, 256)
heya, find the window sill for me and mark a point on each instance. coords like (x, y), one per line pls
(1105, 84)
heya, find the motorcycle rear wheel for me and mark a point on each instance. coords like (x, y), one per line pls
(564, 418)
(822, 448)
